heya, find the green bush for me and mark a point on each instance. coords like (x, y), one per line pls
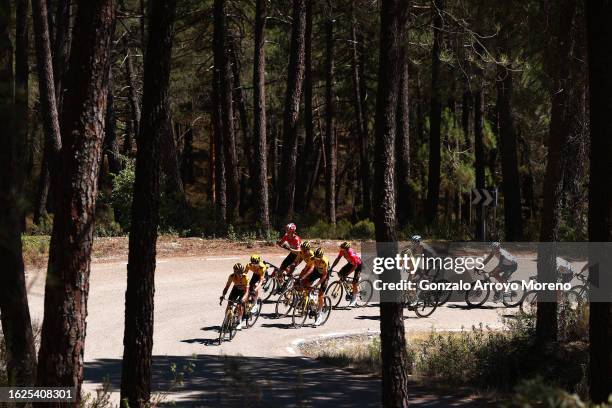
(121, 195)
(342, 230)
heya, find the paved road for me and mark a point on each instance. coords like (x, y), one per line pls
(187, 315)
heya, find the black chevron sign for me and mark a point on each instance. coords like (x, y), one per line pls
(484, 197)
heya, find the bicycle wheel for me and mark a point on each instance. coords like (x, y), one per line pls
(443, 295)
(335, 291)
(426, 304)
(284, 304)
(529, 304)
(475, 297)
(251, 317)
(300, 312)
(326, 309)
(268, 288)
(365, 290)
(232, 327)
(513, 297)
(224, 328)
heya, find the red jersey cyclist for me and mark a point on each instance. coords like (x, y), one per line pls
(292, 242)
(353, 264)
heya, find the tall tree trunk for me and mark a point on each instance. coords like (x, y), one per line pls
(260, 176)
(330, 132)
(479, 152)
(14, 309)
(305, 171)
(223, 71)
(510, 175)
(295, 77)
(170, 165)
(111, 148)
(435, 118)
(61, 47)
(75, 181)
(393, 342)
(22, 71)
(402, 147)
(48, 103)
(187, 163)
(360, 125)
(155, 127)
(599, 33)
(133, 92)
(558, 67)
(466, 111)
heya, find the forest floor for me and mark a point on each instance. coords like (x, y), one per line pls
(260, 367)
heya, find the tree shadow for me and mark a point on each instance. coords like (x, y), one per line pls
(237, 381)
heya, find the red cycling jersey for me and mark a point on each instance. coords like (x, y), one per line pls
(294, 241)
(351, 256)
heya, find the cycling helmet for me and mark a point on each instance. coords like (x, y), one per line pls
(238, 267)
(290, 227)
(319, 253)
(305, 245)
(416, 239)
(345, 245)
(495, 245)
(255, 259)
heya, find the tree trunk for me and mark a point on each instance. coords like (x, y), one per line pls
(22, 86)
(48, 103)
(435, 118)
(402, 148)
(111, 148)
(295, 77)
(133, 92)
(260, 176)
(170, 165)
(155, 127)
(393, 342)
(305, 171)
(330, 133)
(61, 47)
(561, 118)
(187, 163)
(510, 174)
(226, 111)
(360, 125)
(479, 153)
(75, 181)
(599, 33)
(14, 309)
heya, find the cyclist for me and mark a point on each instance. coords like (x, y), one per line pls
(564, 269)
(303, 255)
(506, 266)
(353, 264)
(419, 248)
(239, 290)
(258, 267)
(292, 242)
(316, 268)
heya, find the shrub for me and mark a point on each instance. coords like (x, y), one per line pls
(121, 195)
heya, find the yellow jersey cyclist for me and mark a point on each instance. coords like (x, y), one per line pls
(302, 255)
(353, 265)
(258, 268)
(239, 291)
(316, 267)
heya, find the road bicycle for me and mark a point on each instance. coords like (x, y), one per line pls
(250, 316)
(274, 283)
(574, 298)
(342, 286)
(477, 295)
(285, 302)
(230, 322)
(306, 306)
(422, 302)
(442, 295)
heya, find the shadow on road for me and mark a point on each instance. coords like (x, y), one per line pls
(237, 381)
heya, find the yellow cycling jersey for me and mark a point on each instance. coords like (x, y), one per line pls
(301, 257)
(259, 269)
(240, 281)
(321, 264)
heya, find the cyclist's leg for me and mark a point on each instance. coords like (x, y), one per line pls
(356, 276)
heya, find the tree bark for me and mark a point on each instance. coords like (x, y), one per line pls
(599, 33)
(14, 309)
(133, 92)
(61, 47)
(67, 283)
(139, 296)
(330, 133)
(260, 176)
(111, 148)
(402, 148)
(510, 174)
(295, 77)
(393, 341)
(558, 68)
(435, 118)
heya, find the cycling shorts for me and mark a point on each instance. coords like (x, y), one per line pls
(288, 260)
(237, 293)
(505, 271)
(344, 271)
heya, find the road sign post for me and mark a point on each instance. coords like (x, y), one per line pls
(483, 198)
